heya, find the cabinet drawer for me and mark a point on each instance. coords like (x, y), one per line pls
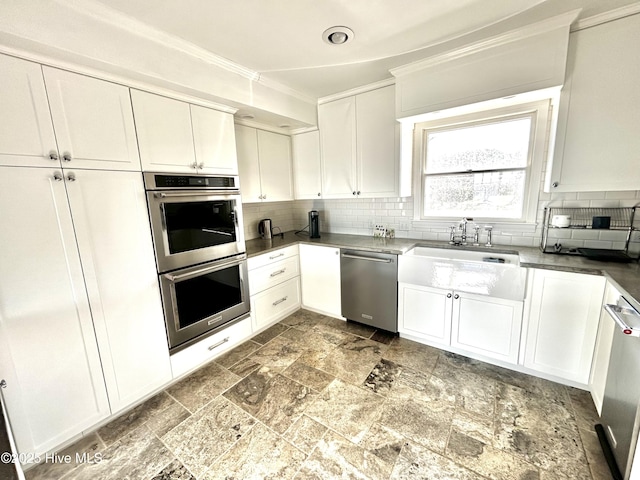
(209, 348)
(276, 303)
(273, 274)
(272, 257)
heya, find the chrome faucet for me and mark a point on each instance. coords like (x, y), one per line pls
(462, 238)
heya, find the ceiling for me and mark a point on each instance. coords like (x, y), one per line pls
(281, 40)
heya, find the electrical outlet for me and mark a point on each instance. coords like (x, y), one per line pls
(404, 226)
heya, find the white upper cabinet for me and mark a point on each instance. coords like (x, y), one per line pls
(274, 151)
(164, 133)
(116, 250)
(307, 172)
(337, 123)
(214, 140)
(26, 132)
(264, 164)
(377, 146)
(358, 137)
(48, 352)
(93, 122)
(177, 137)
(598, 146)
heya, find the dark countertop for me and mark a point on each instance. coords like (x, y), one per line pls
(624, 276)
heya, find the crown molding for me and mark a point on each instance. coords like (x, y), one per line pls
(553, 23)
(605, 17)
(358, 90)
(113, 78)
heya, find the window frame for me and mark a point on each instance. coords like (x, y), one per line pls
(540, 112)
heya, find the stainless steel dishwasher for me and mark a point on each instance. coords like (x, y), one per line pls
(369, 288)
(620, 417)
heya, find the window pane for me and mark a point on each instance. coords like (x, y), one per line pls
(479, 147)
(493, 195)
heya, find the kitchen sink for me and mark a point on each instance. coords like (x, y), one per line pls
(496, 273)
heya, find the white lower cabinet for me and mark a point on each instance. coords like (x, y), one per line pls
(48, 352)
(564, 312)
(274, 285)
(114, 239)
(600, 364)
(81, 322)
(425, 313)
(486, 326)
(209, 348)
(320, 278)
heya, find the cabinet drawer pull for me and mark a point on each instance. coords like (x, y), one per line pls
(3, 383)
(456, 296)
(278, 302)
(66, 157)
(53, 156)
(216, 345)
(276, 256)
(279, 272)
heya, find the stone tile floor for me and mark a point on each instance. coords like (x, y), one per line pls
(316, 397)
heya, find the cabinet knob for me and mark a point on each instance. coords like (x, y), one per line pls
(201, 165)
(53, 156)
(456, 296)
(448, 295)
(3, 383)
(318, 193)
(66, 157)
(555, 184)
(354, 192)
(194, 165)
(57, 176)
(264, 197)
(71, 177)
(358, 192)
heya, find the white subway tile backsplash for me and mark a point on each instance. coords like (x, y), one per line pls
(621, 195)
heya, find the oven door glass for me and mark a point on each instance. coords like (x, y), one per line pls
(200, 299)
(191, 228)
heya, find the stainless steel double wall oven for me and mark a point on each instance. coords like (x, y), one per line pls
(200, 253)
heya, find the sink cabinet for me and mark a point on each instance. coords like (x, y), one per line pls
(486, 326)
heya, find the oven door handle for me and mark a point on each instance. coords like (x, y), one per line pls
(200, 271)
(207, 193)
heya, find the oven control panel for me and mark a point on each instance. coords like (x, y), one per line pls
(164, 181)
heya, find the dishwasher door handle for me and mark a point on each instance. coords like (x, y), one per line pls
(370, 259)
(614, 311)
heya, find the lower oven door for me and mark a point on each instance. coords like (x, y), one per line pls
(201, 299)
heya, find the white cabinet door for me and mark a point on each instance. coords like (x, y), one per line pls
(487, 326)
(425, 313)
(48, 355)
(563, 323)
(214, 140)
(26, 132)
(600, 366)
(307, 172)
(320, 278)
(377, 165)
(274, 153)
(114, 239)
(598, 142)
(164, 133)
(93, 122)
(337, 123)
(248, 163)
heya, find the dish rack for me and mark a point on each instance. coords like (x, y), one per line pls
(621, 219)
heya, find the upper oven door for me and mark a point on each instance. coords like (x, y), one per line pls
(191, 227)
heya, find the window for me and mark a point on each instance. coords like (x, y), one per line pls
(486, 165)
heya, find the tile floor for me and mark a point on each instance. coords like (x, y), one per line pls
(315, 397)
